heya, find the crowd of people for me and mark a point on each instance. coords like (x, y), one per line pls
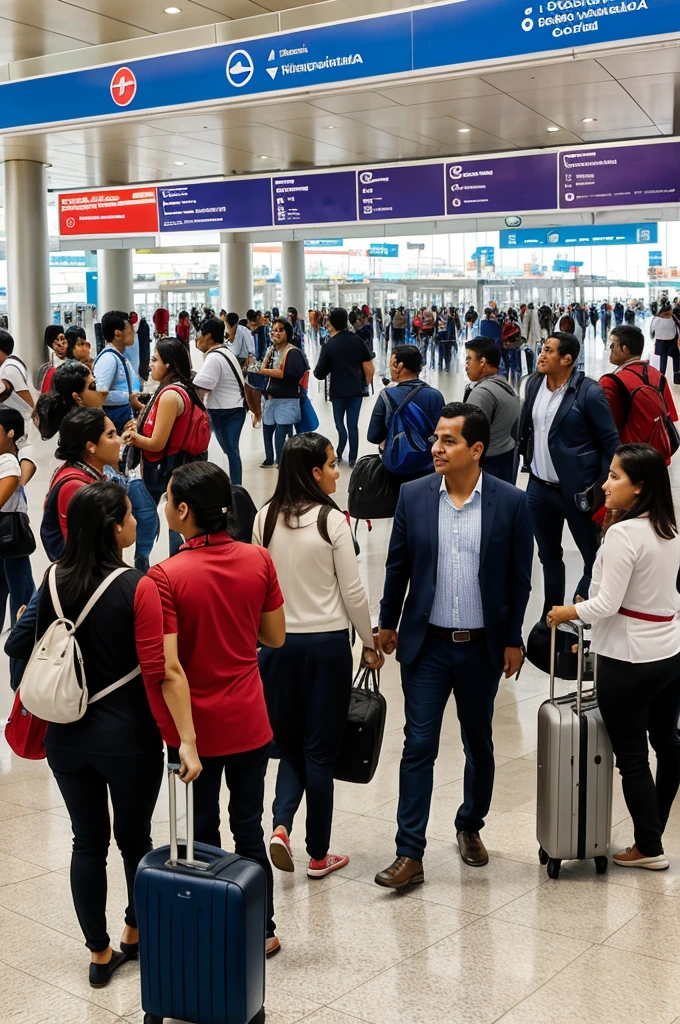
(228, 651)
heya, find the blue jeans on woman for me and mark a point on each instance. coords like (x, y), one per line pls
(275, 435)
(227, 425)
(16, 582)
(349, 409)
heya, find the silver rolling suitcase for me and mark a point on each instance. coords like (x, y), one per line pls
(575, 767)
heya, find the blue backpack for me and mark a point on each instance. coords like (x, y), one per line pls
(407, 448)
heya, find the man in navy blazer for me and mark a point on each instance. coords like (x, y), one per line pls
(462, 547)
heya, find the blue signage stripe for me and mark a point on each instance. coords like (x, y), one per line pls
(558, 237)
(365, 48)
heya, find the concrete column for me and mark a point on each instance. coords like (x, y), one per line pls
(116, 288)
(293, 278)
(28, 258)
(236, 275)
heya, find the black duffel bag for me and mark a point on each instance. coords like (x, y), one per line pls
(566, 660)
(362, 742)
(373, 492)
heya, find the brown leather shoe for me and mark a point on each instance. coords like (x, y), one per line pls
(472, 849)
(402, 873)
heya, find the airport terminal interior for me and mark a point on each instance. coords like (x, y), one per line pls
(384, 156)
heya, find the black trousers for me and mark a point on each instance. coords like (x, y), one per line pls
(307, 685)
(637, 701)
(86, 780)
(244, 774)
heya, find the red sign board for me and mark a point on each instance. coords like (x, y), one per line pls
(113, 211)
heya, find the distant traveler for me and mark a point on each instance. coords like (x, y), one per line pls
(639, 396)
(471, 318)
(489, 326)
(55, 340)
(405, 365)
(497, 399)
(183, 329)
(664, 331)
(221, 386)
(567, 438)
(220, 599)
(14, 370)
(79, 347)
(307, 682)
(398, 325)
(240, 340)
(461, 546)
(633, 611)
(285, 366)
(349, 362)
(114, 373)
(619, 311)
(17, 467)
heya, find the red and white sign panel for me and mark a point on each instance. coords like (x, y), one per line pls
(113, 211)
(123, 87)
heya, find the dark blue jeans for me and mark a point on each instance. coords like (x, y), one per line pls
(275, 435)
(549, 509)
(145, 511)
(227, 425)
(347, 409)
(501, 466)
(244, 774)
(16, 582)
(307, 685)
(442, 668)
(119, 415)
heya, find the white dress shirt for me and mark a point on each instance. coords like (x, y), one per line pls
(543, 413)
(458, 598)
(637, 570)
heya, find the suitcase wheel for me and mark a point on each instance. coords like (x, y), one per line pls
(554, 866)
(151, 1018)
(543, 856)
(601, 865)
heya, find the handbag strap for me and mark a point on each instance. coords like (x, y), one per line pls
(367, 679)
(223, 352)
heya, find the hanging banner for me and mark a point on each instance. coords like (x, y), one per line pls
(111, 211)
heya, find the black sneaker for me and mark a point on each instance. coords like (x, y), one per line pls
(101, 974)
(267, 465)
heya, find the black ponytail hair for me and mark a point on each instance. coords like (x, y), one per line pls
(206, 490)
(91, 551)
(80, 425)
(53, 407)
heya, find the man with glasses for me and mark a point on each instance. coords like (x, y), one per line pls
(114, 372)
(461, 545)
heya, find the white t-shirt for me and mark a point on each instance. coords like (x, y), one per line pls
(221, 378)
(9, 466)
(12, 370)
(243, 344)
(545, 409)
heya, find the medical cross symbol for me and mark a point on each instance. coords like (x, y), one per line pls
(123, 87)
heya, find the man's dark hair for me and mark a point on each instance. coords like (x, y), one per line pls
(338, 319)
(6, 342)
(630, 336)
(112, 322)
(567, 345)
(410, 356)
(214, 328)
(484, 348)
(488, 311)
(251, 315)
(232, 319)
(476, 426)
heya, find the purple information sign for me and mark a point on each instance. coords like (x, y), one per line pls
(216, 205)
(398, 193)
(515, 184)
(315, 198)
(620, 176)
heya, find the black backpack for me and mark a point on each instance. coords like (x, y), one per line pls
(373, 492)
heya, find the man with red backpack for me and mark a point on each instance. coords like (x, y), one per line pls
(638, 395)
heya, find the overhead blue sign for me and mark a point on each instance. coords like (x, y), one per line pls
(60, 259)
(216, 205)
(327, 198)
(607, 234)
(564, 266)
(325, 243)
(330, 54)
(379, 249)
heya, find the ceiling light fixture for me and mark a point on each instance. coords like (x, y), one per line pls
(180, 163)
(172, 10)
(588, 120)
(463, 130)
(264, 158)
(330, 127)
(552, 128)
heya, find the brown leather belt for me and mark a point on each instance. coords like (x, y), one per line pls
(457, 636)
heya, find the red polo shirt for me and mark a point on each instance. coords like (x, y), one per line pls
(213, 593)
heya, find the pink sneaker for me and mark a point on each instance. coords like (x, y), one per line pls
(280, 850)
(331, 862)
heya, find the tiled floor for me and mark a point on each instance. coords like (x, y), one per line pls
(471, 946)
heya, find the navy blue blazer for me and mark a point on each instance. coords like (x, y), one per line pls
(504, 565)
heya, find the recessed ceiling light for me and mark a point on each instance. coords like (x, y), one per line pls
(264, 158)
(587, 120)
(180, 163)
(172, 10)
(552, 128)
(329, 127)
(463, 130)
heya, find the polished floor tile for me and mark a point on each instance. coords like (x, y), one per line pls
(654, 932)
(26, 1000)
(478, 890)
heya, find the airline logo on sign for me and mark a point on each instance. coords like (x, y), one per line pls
(123, 87)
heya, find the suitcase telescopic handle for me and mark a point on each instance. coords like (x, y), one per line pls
(173, 772)
(579, 667)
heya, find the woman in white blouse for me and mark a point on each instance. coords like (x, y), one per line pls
(664, 330)
(633, 607)
(307, 682)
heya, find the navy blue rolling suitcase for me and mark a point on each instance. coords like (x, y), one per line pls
(202, 928)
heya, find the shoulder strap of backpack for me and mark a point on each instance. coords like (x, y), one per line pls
(223, 352)
(121, 359)
(52, 581)
(624, 394)
(103, 586)
(411, 393)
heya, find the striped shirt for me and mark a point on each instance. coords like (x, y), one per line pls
(458, 598)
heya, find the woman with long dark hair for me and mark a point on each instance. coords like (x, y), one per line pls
(633, 606)
(72, 386)
(220, 599)
(308, 680)
(114, 751)
(174, 427)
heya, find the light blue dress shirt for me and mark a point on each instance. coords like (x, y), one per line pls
(458, 597)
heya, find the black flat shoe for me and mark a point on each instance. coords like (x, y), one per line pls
(101, 974)
(130, 949)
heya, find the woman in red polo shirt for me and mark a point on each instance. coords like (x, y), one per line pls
(220, 599)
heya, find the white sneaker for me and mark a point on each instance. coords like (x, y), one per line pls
(632, 858)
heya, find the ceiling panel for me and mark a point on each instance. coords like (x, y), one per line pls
(561, 73)
(19, 42)
(639, 62)
(348, 103)
(611, 106)
(439, 89)
(149, 15)
(655, 94)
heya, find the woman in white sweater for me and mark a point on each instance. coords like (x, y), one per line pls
(633, 607)
(307, 682)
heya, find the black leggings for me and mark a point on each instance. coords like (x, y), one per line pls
(636, 700)
(85, 781)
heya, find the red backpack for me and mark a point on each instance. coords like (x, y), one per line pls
(647, 419)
